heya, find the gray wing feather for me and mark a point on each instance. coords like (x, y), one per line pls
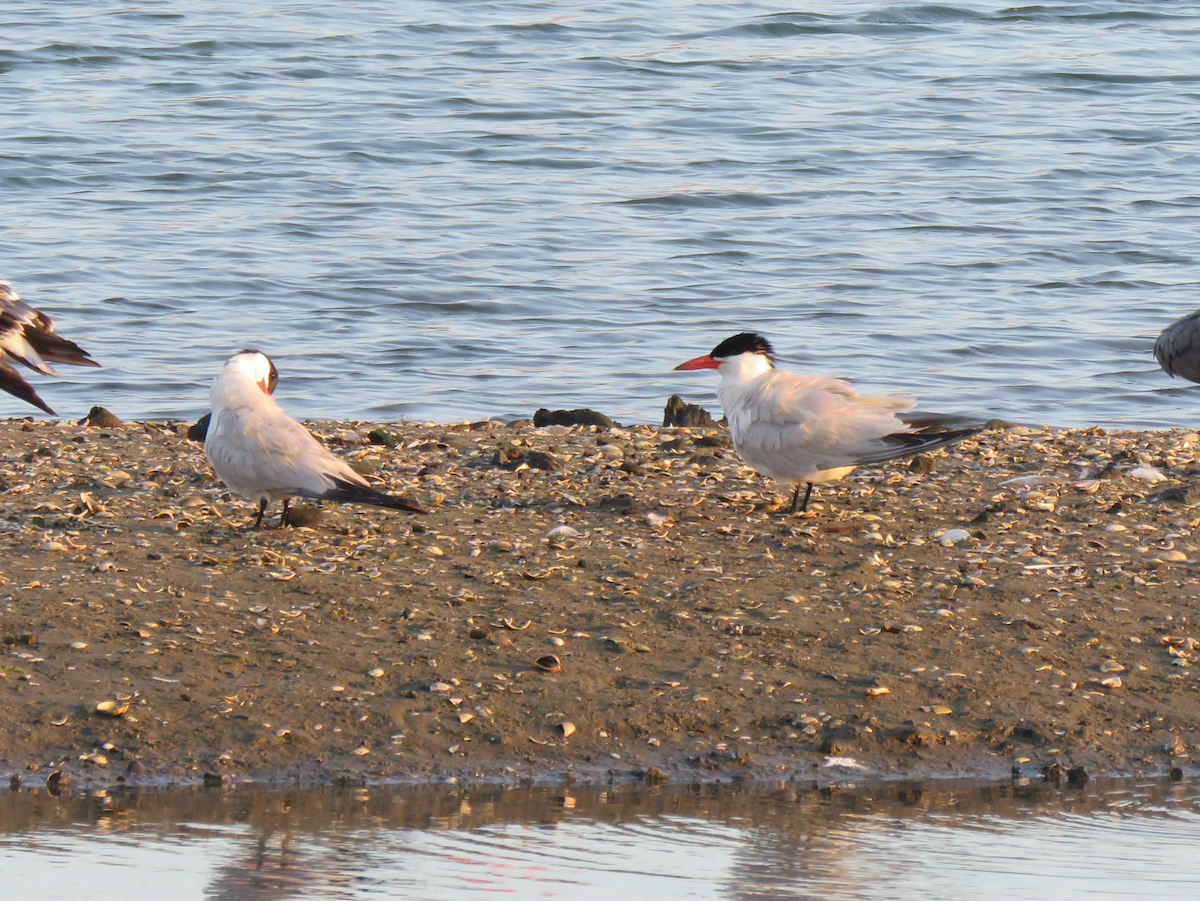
(1178, 348)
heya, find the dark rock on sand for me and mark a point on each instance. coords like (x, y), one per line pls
(922, 464)
(622, 504)
(384, 437)
(511, 458)
(679, 413)
(101, 418)
(1031, 733)
(304, 516)
(914, 735)
(653, 776)
(544, 417)
(841, 741)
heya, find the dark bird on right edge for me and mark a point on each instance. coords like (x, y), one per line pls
(1178, 348)
(27, 337)
(803, 429)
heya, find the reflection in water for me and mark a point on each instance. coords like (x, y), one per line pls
(273, 871)
(790, 841)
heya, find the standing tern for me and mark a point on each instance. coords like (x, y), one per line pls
(1178, 348)
(803, 429)
(27, 337)
(257, 449)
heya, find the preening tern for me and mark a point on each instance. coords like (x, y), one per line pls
(258, 450)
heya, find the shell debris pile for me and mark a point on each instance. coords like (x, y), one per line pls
(1027, 597)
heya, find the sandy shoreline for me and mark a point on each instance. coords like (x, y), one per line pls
(702, 635)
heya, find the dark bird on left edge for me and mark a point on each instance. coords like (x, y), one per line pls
(27, 337)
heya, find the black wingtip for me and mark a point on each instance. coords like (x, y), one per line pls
(349, 493)
(12, 383)
(921, 441)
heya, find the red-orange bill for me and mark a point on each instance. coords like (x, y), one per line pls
(704, 362)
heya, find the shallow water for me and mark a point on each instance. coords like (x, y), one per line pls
(1116, 840)
(435, 210)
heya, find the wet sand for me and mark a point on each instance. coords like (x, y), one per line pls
(702, 633)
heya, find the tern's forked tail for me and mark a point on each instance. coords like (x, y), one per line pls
(922, 441)
(349, 493)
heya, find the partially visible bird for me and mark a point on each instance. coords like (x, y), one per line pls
(804, 429)
(258, 450)
(27, 337)
(1178, 348)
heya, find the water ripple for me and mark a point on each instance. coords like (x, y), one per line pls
(484, 208)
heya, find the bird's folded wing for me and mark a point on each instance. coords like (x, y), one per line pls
(14, 342)
(28, 335)
(274, 453)
(824, 415)
(54, 348)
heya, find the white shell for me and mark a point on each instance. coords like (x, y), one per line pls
(951, 537)
(1147, 474)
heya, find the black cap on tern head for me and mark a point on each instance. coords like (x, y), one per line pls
(744, 343)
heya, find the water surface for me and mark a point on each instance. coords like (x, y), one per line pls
(445, 210)
(1117, 840)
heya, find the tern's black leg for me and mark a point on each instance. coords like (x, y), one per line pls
(283, 517)
(796, 498)
(262, 506)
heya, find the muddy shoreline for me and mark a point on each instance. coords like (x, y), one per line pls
(941, 620)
